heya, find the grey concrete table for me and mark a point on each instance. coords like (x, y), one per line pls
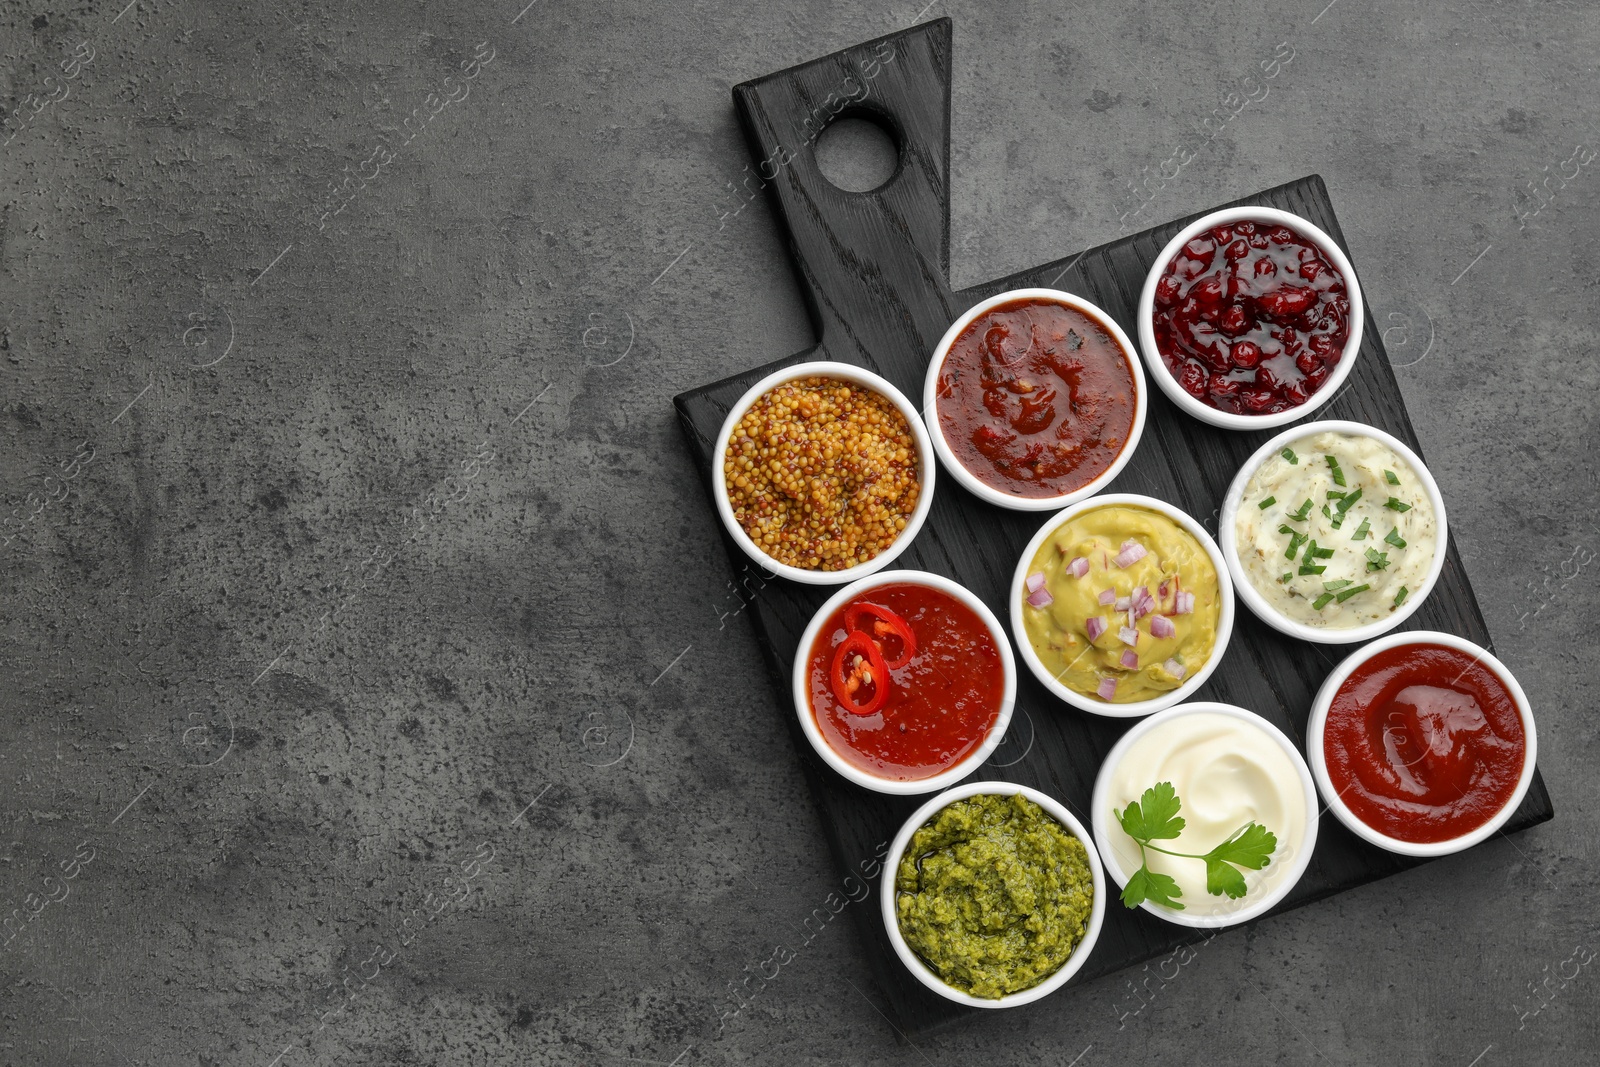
(372, 690)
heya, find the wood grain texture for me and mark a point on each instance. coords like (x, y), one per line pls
(874, 269)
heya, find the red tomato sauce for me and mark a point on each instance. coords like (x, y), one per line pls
(941, 704)
(1424, 743)
(1036, 399)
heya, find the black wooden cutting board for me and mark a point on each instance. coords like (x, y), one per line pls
(874, 269)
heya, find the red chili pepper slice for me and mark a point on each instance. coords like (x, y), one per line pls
(858, 666)
(884, 624)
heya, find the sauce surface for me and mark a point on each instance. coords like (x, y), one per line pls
(1036, 399)
(941, 704)
(1336, 530)
(1123, 629)
(1228, 772)
(1424, 743)
(993, 894)
(1251, 318)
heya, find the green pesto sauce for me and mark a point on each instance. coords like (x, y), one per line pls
(993, 894)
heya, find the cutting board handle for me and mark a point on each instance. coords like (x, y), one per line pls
(874, 265)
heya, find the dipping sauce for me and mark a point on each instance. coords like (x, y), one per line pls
(1126, 606)
(1424, 743)
(1228, 772)
(1347, 534)
(993, 894)
(906, 717)
(822, 473)
(1251, 318)
(1036, 399)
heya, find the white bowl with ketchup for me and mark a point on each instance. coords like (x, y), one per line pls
(1422, 743)
(1279, 295)
(904, 716)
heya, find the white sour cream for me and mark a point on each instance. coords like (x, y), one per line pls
(1384, 540)
(1227, 772)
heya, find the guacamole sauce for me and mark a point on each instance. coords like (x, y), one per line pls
(993, 894)
(1127, 606)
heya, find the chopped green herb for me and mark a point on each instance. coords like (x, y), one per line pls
(1352, 591)
(1391, 477)
(1267, 503)
(1288, 576)
(1376, 561)
(1322, 601)
(1334, 520)
(1334, 587)
(1393, 537)
(1348, 501)
(1295, 542)
(1306, 568)
(1400, 597)
(1318, 553)
(1335, 494)
(1289, 455)
(1304, 513)
(1396, 505)
(1333, 468)
(1361, 531)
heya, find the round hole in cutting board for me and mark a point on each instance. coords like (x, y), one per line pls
(857, 154)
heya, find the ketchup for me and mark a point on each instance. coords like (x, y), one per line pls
(1424, 743)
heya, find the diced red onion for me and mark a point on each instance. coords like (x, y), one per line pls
(1078, 567)
(1184, 605)
(1128, 635)
(1130, 660)
(1132, 552)
(1095, 626)
(1161, 626)
(1123, 603)
(1035, 582)
(1108, 596)
(1164, 587)
(1176, 669)
(1041, 598)
(1107, 688)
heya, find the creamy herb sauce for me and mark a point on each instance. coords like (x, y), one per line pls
(1373, 537)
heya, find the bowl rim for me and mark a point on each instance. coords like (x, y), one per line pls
(1253, 597)
(801, 695)
(971, 482)
(859, 376)
(1097, 909)
(1316, 730)
(1100, 816)
(1205, 412)
(1094, 705)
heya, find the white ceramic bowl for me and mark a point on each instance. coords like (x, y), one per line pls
(1198, 408)
(970, 481)
(1324, 635)
(801, 690)
(1090, 702)
(920, 970)
(1317, 727)
(1249, 906)
(925, 461)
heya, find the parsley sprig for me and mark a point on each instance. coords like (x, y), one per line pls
(1154, 817)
